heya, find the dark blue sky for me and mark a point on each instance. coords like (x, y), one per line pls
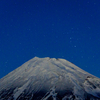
(68, 29)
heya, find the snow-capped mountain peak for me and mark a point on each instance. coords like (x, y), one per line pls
(49, 79)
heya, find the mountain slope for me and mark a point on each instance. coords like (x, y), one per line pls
(49, 79)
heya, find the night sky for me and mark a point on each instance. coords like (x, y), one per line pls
(68, 29)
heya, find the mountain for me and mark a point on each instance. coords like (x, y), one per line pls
(49, 79)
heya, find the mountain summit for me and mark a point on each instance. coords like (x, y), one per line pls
(49, 79)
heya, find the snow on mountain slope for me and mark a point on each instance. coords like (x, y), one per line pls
(49, 79)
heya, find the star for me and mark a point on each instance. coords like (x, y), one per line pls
(75, 46)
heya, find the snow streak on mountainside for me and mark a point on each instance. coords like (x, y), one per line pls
(49, 79)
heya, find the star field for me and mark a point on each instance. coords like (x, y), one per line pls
(68, 29)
